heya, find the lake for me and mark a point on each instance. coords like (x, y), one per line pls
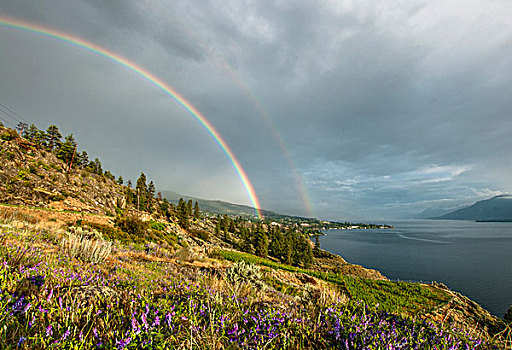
(472, 258)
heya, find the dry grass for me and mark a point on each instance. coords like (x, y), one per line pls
(86, 250)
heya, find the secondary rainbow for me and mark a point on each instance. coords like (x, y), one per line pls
(222, 63)
(9, 22)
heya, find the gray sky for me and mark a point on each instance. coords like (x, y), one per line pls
(367, 110)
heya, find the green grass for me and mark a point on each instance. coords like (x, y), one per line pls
(399, 297)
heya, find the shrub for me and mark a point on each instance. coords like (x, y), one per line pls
(9, 135)
(245, 272)
(86, 250)
(157, 226)
(132, 225)
(105, 231)
(202, 234)
(185, 254)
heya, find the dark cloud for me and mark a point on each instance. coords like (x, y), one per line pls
(385, 109)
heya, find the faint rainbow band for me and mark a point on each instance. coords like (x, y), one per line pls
(15, 23)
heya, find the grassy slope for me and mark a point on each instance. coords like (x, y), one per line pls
(162, 299)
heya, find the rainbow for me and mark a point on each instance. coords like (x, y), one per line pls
(221, 62)
(9, 22)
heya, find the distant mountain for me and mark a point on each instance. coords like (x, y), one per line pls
(430, 213)
(497, 208)
(221, 207)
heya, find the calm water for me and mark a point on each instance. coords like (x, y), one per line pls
(469, 257)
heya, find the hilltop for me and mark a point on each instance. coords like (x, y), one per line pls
(498, 208)
(90, 262)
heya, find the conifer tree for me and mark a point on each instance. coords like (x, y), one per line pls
(217, 228)
(97, 167)
(22, 129)
(197, 213)
(53, 136)
(151, 190)
(306, 253)
(120, 180)
(66, 149)
(151, 194)
(288, 247)
(142, 191)
(275, 247)
(129, 195)
(182, 214)
(164, 207)
(316, 250)
(189, 208)
(245, 240)
(260, 241)
(33, 134)
(129, 184)
(83, 159)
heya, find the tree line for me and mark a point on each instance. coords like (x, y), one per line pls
(65, 149)
(289, 245)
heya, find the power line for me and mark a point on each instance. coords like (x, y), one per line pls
(9, 115)
(13, 113)
(7, 122)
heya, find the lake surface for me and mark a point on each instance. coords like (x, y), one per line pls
(472, 258)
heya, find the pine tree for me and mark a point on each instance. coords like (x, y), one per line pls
(142, 191)
(164, 207)
(53, 136)
(189, 208)
(151, 194)
(316, 250)
(66, 149)
(22, 129)
(306, 251)
(182, 214)
(275, 247)
(129, 195)
(197, 213)
(84, 159)
(217, 228)
(109, 175)
(97, 167)
(245, 240)
(260, 241)
(32, 133)
(129, 184)
(288, 244)
(151, 190)
(120, 180)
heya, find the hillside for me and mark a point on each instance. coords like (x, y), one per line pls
(225, 208)
(498, 208)
(85, 264)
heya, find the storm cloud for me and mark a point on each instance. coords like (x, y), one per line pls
(335, 109)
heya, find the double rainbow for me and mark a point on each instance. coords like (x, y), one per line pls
(8, 22)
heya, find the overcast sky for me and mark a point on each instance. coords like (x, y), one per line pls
(337, 109)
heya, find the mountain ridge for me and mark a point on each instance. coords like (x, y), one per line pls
(220, 207)
(497, 208)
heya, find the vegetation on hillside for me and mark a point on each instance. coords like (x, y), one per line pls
(93, 263)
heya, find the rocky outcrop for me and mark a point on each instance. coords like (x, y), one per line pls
(35, 177)
(464, 314)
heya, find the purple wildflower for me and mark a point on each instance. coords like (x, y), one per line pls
(121, 344)
(21, 340)
(156, 322)
(49, 331)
